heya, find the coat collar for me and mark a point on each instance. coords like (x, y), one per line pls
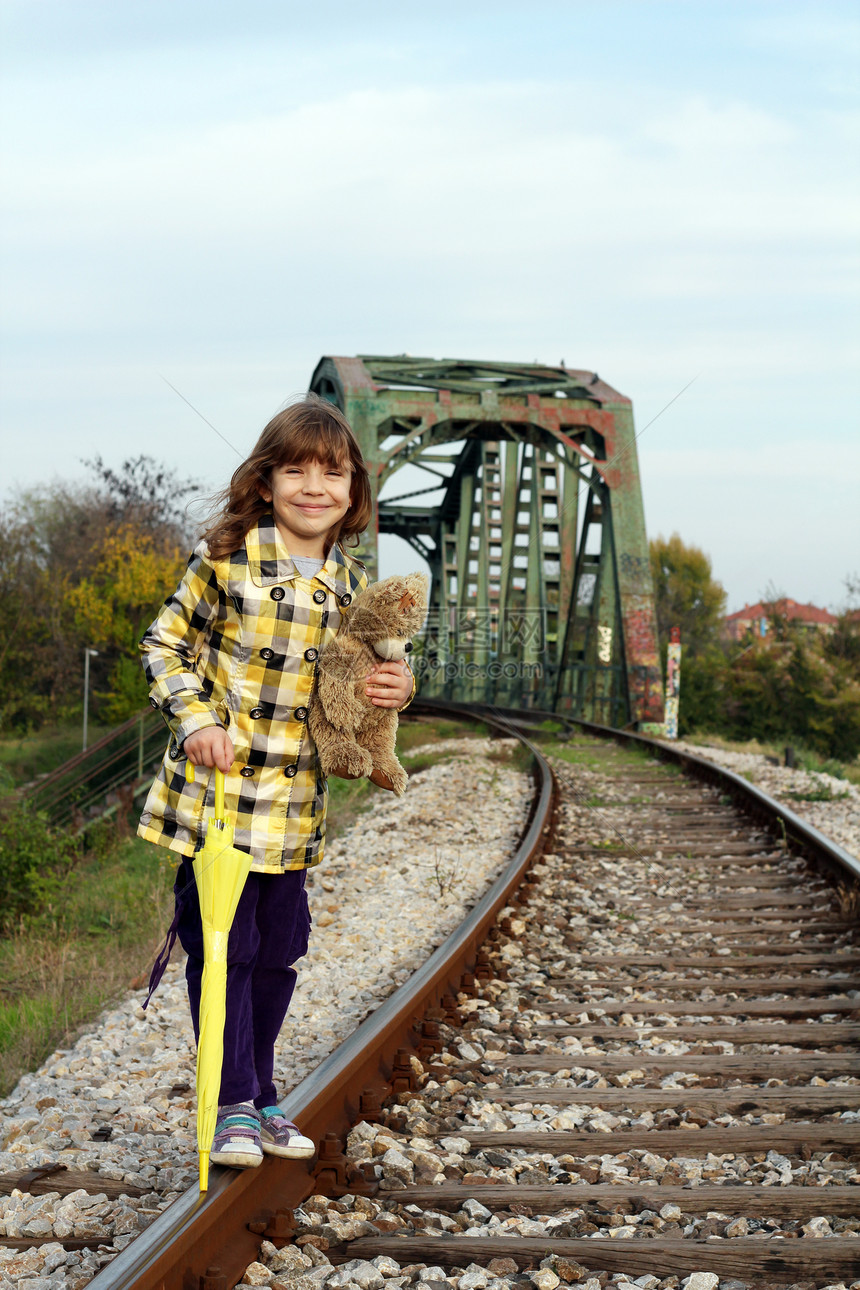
(269, 561)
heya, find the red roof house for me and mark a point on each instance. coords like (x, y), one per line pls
(757, 618)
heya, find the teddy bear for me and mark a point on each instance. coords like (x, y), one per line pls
(354, 738)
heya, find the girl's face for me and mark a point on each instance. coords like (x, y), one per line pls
(309, 499)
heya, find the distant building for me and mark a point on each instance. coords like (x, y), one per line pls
(756, 619)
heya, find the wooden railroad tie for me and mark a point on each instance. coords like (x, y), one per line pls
(794, 1033)
(810, 1135)
(730, 1065)
(809, 985)
(660, 1256)
(723, 1007)
(745, 1199)
(812, 1100)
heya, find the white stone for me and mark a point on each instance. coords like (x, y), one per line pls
(367, 1276)
(290, 1258)
(818, 1226)
(342, 1276)
(387, 1266)
(475, 1209)
(257, 1274)
(544, 1279)
(701, 1281)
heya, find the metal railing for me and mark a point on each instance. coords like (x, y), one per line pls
(92, 784)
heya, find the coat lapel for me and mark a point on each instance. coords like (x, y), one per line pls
(269, 561)
(268, 558)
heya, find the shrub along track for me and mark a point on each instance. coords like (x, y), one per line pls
(608, 989)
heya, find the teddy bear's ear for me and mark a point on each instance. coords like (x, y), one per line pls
(406, 602)
(418, 585)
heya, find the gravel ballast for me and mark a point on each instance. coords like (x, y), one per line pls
(389, 891)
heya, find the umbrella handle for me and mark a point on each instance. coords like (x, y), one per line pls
(219, 795)
(219, 789)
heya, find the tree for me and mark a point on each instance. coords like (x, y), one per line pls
(146, 494)
(686, 594)
(114, 604)
(84, 564)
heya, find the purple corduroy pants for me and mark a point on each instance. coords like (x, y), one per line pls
(269, 933)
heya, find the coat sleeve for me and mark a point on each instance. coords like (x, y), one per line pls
(171, 646)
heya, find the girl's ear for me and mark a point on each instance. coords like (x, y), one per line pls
(264, 490)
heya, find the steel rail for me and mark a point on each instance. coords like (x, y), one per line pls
(805, 836)
(200, 1241)
(795, 829)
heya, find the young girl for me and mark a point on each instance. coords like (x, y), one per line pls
(231, 663)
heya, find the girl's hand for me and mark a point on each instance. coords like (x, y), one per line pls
(209, 747)
(389, 685)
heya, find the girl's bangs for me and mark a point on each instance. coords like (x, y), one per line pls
(320, 442)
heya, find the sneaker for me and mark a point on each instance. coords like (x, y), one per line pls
(280, 1137)
(237, 1137)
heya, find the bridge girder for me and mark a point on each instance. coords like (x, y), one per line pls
(537, 597)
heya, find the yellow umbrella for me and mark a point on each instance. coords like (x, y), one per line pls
(220, 871)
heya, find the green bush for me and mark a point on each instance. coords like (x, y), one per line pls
(35, 862)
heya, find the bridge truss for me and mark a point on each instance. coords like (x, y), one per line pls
(531, 521)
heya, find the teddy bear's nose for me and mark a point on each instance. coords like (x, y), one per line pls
(408, 647)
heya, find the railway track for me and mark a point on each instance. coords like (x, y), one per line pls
(638, 1055)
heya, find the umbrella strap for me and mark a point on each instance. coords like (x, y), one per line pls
(162, 958)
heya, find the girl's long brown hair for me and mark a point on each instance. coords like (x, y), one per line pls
(310, 430)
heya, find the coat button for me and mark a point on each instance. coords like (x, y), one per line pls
(267, 653)
(346, 599)
(291, 771)
(300, 714)
(153, 703)
(311, 656)
(319, 596)
(277, 593)
(256, 713)
(247, 771)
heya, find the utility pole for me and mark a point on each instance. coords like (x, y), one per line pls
(88, 654)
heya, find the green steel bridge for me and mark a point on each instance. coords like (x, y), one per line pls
(530, 519)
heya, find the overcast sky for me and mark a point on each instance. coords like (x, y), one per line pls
(220, 194)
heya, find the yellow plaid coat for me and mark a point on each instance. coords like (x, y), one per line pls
(236, 646)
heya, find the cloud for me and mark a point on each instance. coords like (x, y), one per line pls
(224, 207)
(480, 187)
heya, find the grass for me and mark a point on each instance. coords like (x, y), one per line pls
(23, 757)
(616, 756)
(347, 799)
(60, 969)
(517, 758)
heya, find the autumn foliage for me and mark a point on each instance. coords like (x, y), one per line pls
(794, 685)
(84, 567)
